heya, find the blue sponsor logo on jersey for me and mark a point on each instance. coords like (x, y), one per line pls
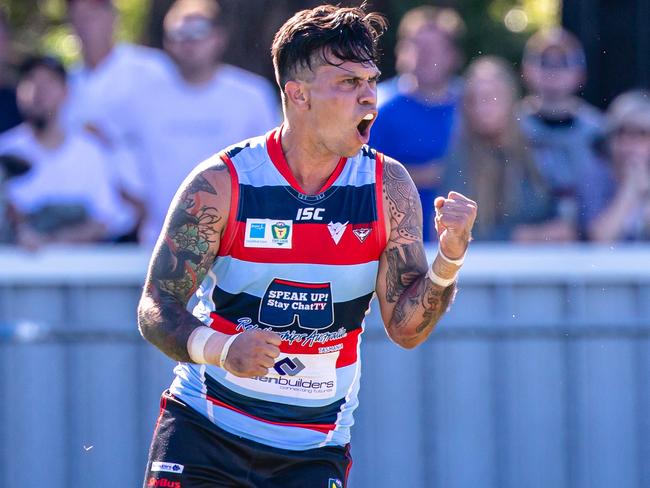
(287, 302)
(257, 230)
(288, 366)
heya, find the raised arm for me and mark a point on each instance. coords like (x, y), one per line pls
(184, 253)
(411, 303)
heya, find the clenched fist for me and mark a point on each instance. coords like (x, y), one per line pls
(251, 354)
(455, 217)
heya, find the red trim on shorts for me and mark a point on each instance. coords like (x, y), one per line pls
(163, 406)
(322, 428)
(382, 237)
(230, 232)
(274, 148)
(349, 457)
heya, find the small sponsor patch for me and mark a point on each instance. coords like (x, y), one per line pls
(268, 233)
(167, 467)
(334, 483)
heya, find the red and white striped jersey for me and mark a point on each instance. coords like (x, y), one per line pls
(305, 267)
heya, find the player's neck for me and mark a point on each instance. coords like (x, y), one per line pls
(310, 162)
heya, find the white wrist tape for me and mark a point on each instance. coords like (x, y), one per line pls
(225, 349)
(438, 280)
(457, 262)
(196, 345)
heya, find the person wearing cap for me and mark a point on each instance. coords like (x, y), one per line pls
(415, 124)
(563, 128)
(626, 214)
(201, 106)
(67, 196)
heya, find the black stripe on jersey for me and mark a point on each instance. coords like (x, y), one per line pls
(234, 307)
(273, 411)
(232, 151)
(353, 204)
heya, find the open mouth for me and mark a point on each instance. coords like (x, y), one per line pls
(364, 126)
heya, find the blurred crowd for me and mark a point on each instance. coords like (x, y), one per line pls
(95, 153)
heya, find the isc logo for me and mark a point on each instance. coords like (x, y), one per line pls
(310, 213)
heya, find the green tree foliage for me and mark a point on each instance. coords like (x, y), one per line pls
(41, 25)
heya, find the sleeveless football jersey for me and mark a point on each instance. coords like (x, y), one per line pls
(305, 267)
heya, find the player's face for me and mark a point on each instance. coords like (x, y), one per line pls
(343, 105)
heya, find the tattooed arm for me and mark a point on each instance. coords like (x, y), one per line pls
(411, 304)
(184, 253)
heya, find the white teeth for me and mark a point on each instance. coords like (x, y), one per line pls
(369, 117)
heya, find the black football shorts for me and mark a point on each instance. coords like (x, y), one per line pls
(189, 451)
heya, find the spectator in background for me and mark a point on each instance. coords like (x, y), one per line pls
(561, 126)
(106, 81)
(415, 124)
(109, 73)
(489, 160)
(626, 214)
(202, 107)
(9, 115)
(66, 196)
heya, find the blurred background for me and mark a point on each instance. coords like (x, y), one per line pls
(538, 109)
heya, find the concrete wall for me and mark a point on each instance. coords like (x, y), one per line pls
(538, 377)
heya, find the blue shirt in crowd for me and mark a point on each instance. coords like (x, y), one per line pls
(416, 134)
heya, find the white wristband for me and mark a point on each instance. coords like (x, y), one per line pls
(196, 345)
(457, 262)
(438, 280)
(225, 349)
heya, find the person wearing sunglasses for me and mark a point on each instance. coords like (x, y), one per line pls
(562, 127)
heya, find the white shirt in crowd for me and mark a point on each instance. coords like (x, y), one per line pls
(94, 94)
(77, 172)
(177, 125)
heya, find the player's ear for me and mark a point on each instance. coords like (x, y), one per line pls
(297, 94)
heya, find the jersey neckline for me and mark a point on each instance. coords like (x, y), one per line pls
(274, 148)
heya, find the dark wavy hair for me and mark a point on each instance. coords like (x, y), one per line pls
(313, 36)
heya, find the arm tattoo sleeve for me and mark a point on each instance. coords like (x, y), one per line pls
(183, 259)
(419, 303)
(403, 202)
